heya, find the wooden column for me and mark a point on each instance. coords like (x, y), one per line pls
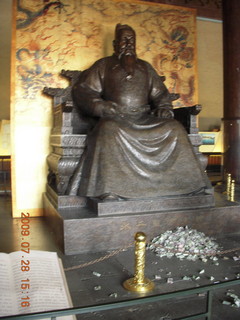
(231, 120)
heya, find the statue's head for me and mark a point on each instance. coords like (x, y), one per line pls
(125, 40)
(125, 47)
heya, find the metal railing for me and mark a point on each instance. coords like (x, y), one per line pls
(133, 302)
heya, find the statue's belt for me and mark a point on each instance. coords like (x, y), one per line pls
(134, 110)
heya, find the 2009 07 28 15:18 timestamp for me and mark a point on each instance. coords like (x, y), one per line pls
(25, 263)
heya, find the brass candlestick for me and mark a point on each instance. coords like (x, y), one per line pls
(139, 283)
(232, 191)
(229, 181)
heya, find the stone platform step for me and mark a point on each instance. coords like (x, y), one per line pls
(106, 208)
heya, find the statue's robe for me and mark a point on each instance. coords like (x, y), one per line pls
(134, 154)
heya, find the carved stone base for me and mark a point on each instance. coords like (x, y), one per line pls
(106, 208)
(80, 230)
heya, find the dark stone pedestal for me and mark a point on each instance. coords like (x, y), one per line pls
(79, 230)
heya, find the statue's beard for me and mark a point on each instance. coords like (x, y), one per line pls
(128, 62)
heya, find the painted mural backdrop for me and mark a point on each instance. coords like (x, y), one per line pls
(71, 35)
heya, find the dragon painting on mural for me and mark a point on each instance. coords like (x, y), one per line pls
(30, 16)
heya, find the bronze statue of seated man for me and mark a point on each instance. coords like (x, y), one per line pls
(135, 150)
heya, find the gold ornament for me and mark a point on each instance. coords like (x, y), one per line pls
(139, 283)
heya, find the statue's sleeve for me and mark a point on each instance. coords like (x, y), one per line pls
(159, 96)
(87, 91)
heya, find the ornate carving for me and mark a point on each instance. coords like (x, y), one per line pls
(73, 141)
(68, 141)
(70, 152)
(60, 171)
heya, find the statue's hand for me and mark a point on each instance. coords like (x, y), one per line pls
(109, 109)
(164, 113)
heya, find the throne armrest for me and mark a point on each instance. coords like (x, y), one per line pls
(187, 116)
(71, 75)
